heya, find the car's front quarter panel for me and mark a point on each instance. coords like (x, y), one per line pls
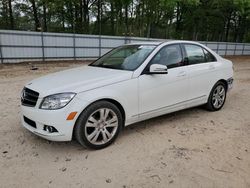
(125, 93)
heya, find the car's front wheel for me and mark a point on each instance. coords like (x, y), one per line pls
(98, 125)
(217, 97)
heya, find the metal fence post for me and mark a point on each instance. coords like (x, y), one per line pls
(42, 46)
(243, 49)
(226, 49)
(217, 50)
(1, 52)
(235, 46)
(100, 45)
(74, 46)
(129, 39)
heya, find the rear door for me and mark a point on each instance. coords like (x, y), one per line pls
(201, 71)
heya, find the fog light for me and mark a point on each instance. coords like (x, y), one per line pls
(49, 129)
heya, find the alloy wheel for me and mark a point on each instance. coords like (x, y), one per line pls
(219, 96)
(101, 126)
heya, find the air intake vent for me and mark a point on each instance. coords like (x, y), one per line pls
(29, 122)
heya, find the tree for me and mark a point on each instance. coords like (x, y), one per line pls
(36, 20)
(4, 15)
(11, 15)
(217, 20)
(243, 12)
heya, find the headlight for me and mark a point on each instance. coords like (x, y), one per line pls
(57, 101)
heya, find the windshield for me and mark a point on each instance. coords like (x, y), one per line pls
(128, 57)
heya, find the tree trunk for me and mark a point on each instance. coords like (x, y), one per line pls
(169, 27)
(141, 30)
(178, 12)
(76, 17)
(148, 29)
(99, 25)
(242, 29)
(63, 19)
(112, 19)
(132, 23)
(36, 20)
(149, 24)
(118, 18)
(81, 16)
(227, 28)
(44, 17)
(126, 20)
(11, 15)
(71, 13)
(86, 15)
(5, 13)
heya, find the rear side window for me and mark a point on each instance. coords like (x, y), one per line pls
(170, 56)
(195, 54)
(209, 57)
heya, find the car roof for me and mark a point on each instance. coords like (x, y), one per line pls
(156, 43)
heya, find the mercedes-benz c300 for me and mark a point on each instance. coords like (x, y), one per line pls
(129, 84)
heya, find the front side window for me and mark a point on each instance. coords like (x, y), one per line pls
(195, 54)
(128, 57)
(170, 56)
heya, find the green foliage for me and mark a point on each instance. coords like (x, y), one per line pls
(211, 20)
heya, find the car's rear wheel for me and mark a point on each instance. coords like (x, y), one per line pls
(98, 125)
(217, 97)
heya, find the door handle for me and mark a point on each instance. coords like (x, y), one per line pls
(181, 74)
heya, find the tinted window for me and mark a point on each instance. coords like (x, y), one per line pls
(169, 55)
(195, 54)
(209, 57)
(125, 57)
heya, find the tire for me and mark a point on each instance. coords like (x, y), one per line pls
(219, 94)
(98, 125)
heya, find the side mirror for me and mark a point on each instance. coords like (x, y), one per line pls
(158, 69)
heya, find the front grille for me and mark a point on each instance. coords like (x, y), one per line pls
(29, 97)
(29, 122)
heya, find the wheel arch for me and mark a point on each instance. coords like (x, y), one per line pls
(209, 105)
(113, 101)
(224, 82)
(118, 105)
(221, 80)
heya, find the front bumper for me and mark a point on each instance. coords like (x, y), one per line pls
(55, 118)
(62, 134)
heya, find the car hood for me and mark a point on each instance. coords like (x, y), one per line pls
(77, 80)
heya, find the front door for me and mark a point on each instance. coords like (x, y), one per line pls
(162, 93)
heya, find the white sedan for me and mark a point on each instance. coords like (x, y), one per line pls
(129, 84)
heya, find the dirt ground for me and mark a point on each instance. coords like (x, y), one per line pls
(191, 148)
